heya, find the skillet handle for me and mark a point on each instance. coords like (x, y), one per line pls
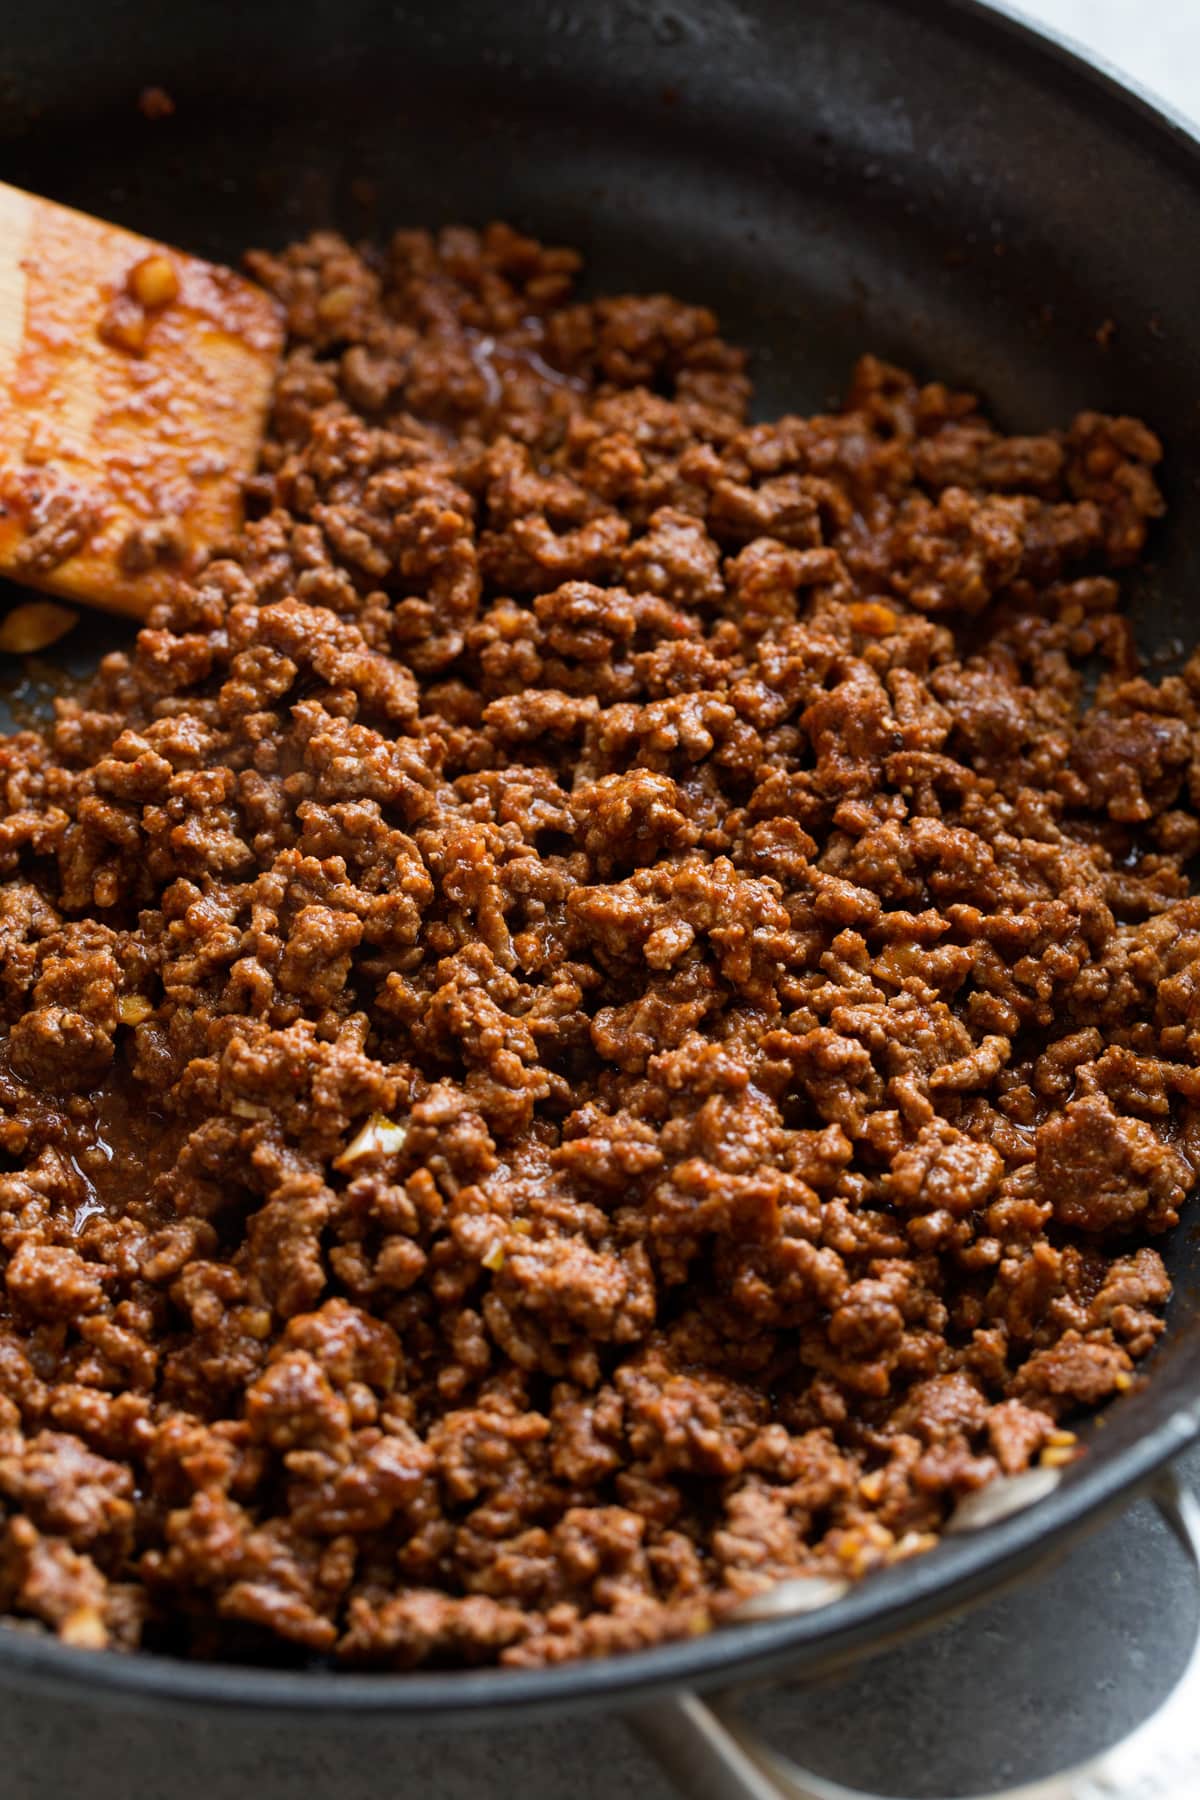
(710, 1754)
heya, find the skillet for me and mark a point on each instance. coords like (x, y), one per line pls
(924, 178)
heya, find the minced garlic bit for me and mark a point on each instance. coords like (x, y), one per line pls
(494, 1259)
(380, 1136)
(35, 625)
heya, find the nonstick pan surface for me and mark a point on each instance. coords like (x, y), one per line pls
(922, 178)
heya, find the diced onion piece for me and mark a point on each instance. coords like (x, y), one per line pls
(380, 1136)
(133, 1008)
(85, 1629)
(494, 1259)
(246, 1109)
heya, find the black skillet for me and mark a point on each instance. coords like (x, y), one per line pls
(924, 178)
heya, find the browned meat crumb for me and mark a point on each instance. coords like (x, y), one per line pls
(58, 520)
(593, 1018)
(155, 103)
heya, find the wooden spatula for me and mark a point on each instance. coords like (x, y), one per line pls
(134, 385)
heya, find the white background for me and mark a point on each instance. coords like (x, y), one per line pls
(1156, 42)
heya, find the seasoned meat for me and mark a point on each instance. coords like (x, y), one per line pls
(597, 1014)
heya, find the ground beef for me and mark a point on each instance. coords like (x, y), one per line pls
(598, 1014)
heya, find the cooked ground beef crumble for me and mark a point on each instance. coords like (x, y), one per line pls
(595, 1017)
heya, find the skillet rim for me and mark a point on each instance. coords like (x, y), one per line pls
(874, 1614)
